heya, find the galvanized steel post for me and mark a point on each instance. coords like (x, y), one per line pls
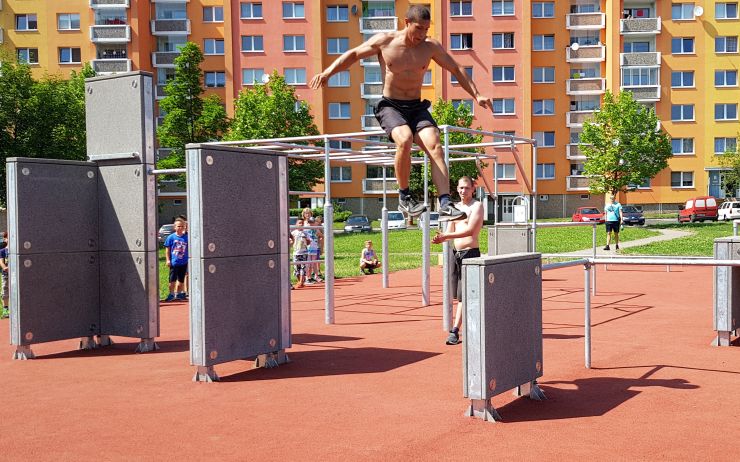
(425, 244)
(384, 232)
(447, 318)
(328, 239)
(587, 314)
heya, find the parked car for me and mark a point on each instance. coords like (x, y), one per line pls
(698, 209)
(632, 216)
(164, 231)
(292, 221)
(433, 220)
(729, 210)
(396, 220)
(357, 224)
(588, 214)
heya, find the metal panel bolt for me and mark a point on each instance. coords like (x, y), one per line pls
(537, 270)
(273, 342)
(538, 366)
(91, 174)
(492, 384)
(29, 335)
(271, 264)
(134, 84)
(213, 354)
(211, 247)
(211, 269)
(26, 245)
(139, 329)
(91, 259)
(138, 243)
(91, 242)
(25, 171)
(491, 278)
(271, 243)
(209, 160)
(89, 90)
(137, 172)
(268, 164)
(139, 260)
(27, 263)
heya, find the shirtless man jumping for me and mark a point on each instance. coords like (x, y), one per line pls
(465, 238)
(404, 57)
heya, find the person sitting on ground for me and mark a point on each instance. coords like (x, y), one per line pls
(368, 259)
(4, 267)
(300, 241)
(177, 260)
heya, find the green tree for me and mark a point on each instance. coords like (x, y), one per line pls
(624, 146)
(272, 110)
(445, 113)
(730, 160)
(189, 117)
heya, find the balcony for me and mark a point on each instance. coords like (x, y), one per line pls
(375, 186)
(369, 122)
(576, 183)
(585, 21)
(586, 54)
(642, 26)
(590, 86)
(171, 27)
(372, 90)
(164, 58)
(575, 119)
(111, 66)
(573, 152)
(110, 34)
(371, 61)
(100, 4)
(644, 92)
(378, 24)
(646, 59)
(170, 1)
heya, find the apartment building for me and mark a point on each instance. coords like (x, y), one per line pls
(546, 64)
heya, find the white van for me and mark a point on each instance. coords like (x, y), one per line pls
(396, 220)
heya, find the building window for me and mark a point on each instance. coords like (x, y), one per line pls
(468, 70)
(682, 112)
(341, 174)
(682, 79)
(503, 41)
(682, 179)
(545, 171)
(682, 146)
(503, 106)
(372, 74)
(723, 145)
(639, 76)
(337, 144)
(506, 171)
(28, 55)
(250, 76)
(213, 14)
(461, 41)
(543, 42)
(69, 56)
(295, 75)
(340, 79)
(503, 73)
(339, 111)
(427, 77)
(725, 44)
(252, 43)
(337, 45)
(337, 13)
(68, 21)
(213, 46)
(724, 10)
(293, 10)
(725, 111)
(725, 78)
(215, 79)
(682, 45)
(545, 139)
(251, 10)
(543, 107)
(682, 11)
(636, 47)
(644, 185)
(26, 22)
(461, 8)
(502, 8)
(543, 75)
(293, 43)
(543, 9)
(464, 102)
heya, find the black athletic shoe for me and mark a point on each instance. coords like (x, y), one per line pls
(607, 248)
(453, 338)
(451, 213)
(617, 246)
(410, 206)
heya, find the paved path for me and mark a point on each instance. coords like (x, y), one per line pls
(665, 235)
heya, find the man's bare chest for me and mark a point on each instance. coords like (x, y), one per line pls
(406, 60)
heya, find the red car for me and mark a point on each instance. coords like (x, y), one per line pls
(588, 214)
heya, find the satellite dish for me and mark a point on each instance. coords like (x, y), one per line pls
(698, 11)
(265, 78)
(574, 46)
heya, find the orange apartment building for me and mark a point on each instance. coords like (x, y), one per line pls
(679, 57)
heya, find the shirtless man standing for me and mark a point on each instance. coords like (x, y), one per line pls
(465, 238)
(404, 57)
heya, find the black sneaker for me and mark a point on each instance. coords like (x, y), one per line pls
(451, 213)
(617, 246)
(410, 206)
(607, 248)
(453, 338)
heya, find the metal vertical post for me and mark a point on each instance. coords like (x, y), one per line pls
(447, 318)
(587, 313)
(328, 239)
(534, 197)
(593, 244)
(734, 227)
(495, 191)
(384, 231)
(426, 248)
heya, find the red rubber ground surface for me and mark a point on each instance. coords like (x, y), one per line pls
(381, 384)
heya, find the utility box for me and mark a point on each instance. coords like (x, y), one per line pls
(506, 238)
(502, 348)
(726, 318)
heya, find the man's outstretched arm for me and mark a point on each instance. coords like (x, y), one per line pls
(349, 57)
(444, 59)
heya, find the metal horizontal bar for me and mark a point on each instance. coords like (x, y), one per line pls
(305, 227)
(563, 224)
(114, 156)
(564, 264)
(663, 261)
(294, 263)
(167, 171)
(307, 193)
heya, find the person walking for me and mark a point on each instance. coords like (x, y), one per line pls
(613, 222)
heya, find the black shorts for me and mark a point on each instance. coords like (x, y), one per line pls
(177, 273)
(612, 226)
(456, 280)
(392, 113)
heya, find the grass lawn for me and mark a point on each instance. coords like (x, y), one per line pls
(699, 244)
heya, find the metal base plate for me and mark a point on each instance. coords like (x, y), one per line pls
(483, 409)
(205, 374)
(23, 352)
(270, 360)
(146, 345)
(724, 338)
(88, 343)
(530, 390)
(104, 341)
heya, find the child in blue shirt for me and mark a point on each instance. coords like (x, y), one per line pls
(176, 255)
